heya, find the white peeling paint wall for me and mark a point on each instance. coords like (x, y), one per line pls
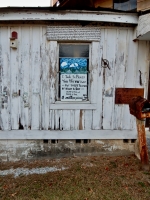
(28, 80)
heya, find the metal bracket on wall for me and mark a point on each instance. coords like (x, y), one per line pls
(105, 63)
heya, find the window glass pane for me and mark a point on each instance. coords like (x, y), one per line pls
(133, 4)
(126, 5)
(72, 50)
(73, 72)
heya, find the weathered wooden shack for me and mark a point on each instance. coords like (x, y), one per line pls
(66, 78)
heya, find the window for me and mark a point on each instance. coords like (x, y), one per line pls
(126, 5)
(73, 72)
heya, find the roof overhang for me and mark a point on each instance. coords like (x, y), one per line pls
(67, 15)
(143, 28)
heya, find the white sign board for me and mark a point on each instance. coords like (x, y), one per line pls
(73, 87)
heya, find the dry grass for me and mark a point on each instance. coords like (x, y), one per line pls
(87, 178)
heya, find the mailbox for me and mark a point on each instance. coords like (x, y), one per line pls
(140, 107)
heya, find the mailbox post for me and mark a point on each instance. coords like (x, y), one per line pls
(140, 108)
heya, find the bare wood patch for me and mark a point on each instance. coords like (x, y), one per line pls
(80, 120)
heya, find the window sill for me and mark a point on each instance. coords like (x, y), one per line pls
(60, 105)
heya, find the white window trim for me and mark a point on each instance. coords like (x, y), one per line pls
(64, 105)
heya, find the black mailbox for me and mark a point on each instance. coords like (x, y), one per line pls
(140, 107)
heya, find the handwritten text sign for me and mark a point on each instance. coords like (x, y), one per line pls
(73, 87)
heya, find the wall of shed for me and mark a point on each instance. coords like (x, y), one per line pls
(26, 81)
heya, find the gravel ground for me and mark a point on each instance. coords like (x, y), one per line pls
(25, 171)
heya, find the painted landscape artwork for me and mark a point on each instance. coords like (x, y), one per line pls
(73, 65)
(73, 77)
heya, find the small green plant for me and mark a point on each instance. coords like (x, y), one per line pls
(141, 184)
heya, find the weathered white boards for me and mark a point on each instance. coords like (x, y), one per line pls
(29, 80)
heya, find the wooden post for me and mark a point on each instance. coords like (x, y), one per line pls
(142, 144)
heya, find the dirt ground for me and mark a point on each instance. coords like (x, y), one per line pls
(84, 178)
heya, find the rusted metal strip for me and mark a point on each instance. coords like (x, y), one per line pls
(142, 144)
(124, 95)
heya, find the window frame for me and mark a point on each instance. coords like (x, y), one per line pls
(88, 73)
(75, 105)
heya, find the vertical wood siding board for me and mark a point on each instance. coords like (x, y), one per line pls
(94, 71)
(83, 119)
(136, 45)
(88, 119)
(72, 120)
(81, 122)
(20, 77)
(57, 74)
(97, 114)
(45, 81)
(146, 74)
(3, 68)
(61, 119)
(48, 84)
(108, 98)
(52, 77)
(14, 85)
(53, 70)
(115, 106)
(148, 66)
(50, 123)
(41, 79)
(9, 78)
(131, 54)
(76, 119)
(5, 77)
(25, 71)
(66, 120)
(121, 108)
(125, 110)
(135, 63)
(1, 122)
(137, 84)
(36, 64)
(113, 113)
(30, 79)
(143, 65)
(1, 83)
(103, 73)
(120, 73)
(52, 119)
(56, 119)
(130, 70)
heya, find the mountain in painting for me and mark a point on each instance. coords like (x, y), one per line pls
(73, 65)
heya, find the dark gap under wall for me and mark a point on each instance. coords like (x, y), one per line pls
(78, 141)
(20, 125)
(54, 141)
(125, 140)
(133, 140)
(45, 141)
